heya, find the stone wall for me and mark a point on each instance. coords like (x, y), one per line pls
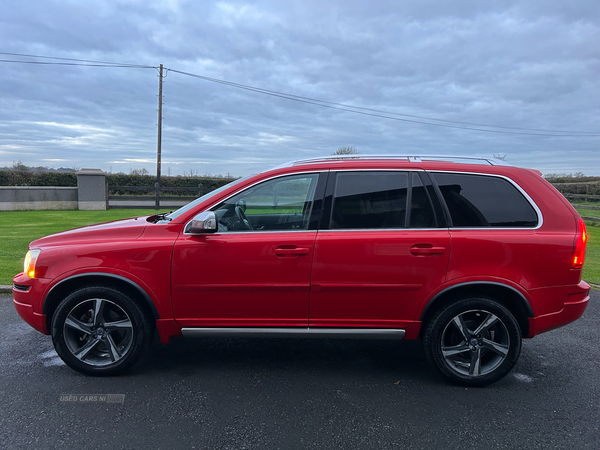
(37, 197)
(90, 194)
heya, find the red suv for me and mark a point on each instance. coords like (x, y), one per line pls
(469, 255)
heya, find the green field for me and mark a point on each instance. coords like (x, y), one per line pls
(589, 212)
(591, 266)
(18, 228)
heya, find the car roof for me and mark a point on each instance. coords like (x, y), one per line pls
(468, 164)
(338, 159)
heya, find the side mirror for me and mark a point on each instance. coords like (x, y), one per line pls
(205, 222)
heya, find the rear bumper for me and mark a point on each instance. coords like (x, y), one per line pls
(571, 311)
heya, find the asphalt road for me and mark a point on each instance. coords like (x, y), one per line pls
(246, 394)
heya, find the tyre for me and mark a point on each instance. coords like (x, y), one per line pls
(100, 331)
(473, 342)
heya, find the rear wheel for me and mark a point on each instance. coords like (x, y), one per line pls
(473, 341)
(100, 331)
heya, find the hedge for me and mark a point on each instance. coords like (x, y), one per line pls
(26, 178)
(578, 188)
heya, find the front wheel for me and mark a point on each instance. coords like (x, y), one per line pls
(474, 342)
(100, 331)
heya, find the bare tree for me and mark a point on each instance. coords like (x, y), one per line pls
(142, 171)
(191, 173)
(346, 151)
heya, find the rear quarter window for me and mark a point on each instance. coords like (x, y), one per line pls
(484, 201)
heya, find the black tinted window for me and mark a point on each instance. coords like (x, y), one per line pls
(484, 201)
(421, 211)
(370, 200)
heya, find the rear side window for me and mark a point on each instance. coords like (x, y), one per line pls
(376, 200)
(370, 200)
(421, 211)
(484, 201)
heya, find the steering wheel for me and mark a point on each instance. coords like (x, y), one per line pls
(241, 215)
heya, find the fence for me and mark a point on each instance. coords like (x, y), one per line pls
(582, 197)
(93, 193)
(148, 196)
(574, 198)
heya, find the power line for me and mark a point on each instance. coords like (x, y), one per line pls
(44, 63)
(76, 60)
(388, 115)
(322, 103)
(266, 91)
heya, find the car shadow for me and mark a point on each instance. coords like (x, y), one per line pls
(377, 358)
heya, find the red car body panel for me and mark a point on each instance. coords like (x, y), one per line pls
(270, 286)
(328, 278)
(375, 278)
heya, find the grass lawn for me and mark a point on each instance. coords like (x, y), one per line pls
(19, 228)
(588, 212)
(591, 266)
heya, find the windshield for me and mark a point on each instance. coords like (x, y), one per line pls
(186, 208)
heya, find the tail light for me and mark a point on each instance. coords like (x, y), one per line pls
(580, 241)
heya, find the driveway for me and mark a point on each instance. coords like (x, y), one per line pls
(289, 393)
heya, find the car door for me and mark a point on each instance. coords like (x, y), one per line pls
(383, 248)
(255, 270)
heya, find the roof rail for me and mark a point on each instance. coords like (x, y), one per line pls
(414, 158)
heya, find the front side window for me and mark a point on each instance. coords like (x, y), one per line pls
(484, 201)
(283, 203)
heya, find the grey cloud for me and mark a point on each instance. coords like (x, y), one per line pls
(510, 64)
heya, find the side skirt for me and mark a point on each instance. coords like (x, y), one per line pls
(296, 332)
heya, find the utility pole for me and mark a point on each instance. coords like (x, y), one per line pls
(159, 140)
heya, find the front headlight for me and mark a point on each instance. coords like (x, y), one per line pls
(29, 263)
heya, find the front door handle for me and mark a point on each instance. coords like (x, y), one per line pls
(291, 251)
(426, 250)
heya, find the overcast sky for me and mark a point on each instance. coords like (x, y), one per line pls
(525, 70)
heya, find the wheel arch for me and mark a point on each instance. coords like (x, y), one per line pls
(508, 296)
(61, 289)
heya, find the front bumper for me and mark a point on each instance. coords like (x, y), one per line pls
(27, 296)
(36, 320)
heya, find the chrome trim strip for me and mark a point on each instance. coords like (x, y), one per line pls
(297, 332)
(383, 230)
(402, 169)
(229, 233)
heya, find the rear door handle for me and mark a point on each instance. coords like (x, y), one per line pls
(291, 251)
(426, 250)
